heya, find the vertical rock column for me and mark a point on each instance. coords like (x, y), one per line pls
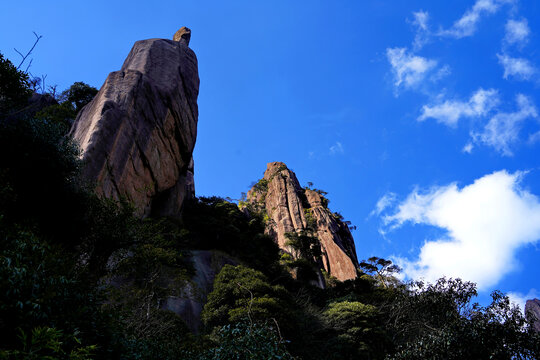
(137, 135)
(286, 204)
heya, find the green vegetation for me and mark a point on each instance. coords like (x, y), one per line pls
(82, 278)
(261, 185)
(245, 341)
(14, 88)
(71, 101)
(239, 293)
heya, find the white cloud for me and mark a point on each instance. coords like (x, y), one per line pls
(502, 130)
(516, 67)
(337, 148)
(486, 223)
(519, 299)
(450, 111)
(383, 203)
(409, 70)
(467, 24)
(517, 32)
(468, 148)
(420, 22)
(534, 137)
(441, 73)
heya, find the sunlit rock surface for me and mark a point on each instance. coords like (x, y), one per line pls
(137, 135)
(287, 206)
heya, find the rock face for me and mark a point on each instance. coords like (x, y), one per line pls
(189, 304)
(290, 208)
(137, 135)
(532, 308)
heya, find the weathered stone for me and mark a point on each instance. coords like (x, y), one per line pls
(183, 35)
(137, 135)
(532, 308)
(189, 304)
(287, 204)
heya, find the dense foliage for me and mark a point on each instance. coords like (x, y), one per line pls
(82, 278)
(14, 88)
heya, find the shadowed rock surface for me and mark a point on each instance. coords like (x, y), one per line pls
(137, 135)
(289, 207)
(190, 303)
(532, 307)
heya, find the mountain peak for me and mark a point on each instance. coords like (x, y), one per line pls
(291, 209)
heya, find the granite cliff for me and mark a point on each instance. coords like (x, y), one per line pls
(137, 138)
(137, 135)
(532, 308)
(289, 208)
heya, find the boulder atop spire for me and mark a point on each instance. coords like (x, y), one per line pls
(183, 35)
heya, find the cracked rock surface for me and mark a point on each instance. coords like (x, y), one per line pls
(137, 135)
(287, 206)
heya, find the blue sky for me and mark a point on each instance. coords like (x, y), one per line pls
(419, 118)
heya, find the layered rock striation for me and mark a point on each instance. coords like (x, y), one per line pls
(289, 208)
(137, 135)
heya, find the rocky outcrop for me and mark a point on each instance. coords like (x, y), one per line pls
(290, 208)
(137, 135)
(532, 308)
(189, 304)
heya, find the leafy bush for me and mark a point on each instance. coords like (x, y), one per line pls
(246, 341)
(72, 101)
(241, 292)
(14, 88)
(213, 223)
(42, 288)
(358, 333)
(47, 343)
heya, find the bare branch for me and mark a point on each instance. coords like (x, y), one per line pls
(18, 52)
(24, 57)
(250, 303)
(278, 329)
(28, 67)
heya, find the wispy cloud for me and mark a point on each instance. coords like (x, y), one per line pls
(502, 130)
(420, 22)
(519, 299)
(441, 73)
(467, 24)
(337, 148)
(383, 203)
(517, 32)
(516, 67)
(450, 112)
(409, 70)
(468, 148)
(486, 223)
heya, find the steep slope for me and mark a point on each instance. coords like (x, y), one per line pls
(137, 135)
(291, 209)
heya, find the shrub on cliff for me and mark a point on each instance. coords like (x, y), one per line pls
(71, 101)
(240, 292)
(14, 88)
(214, 223)
(245, 341)
(357, 331)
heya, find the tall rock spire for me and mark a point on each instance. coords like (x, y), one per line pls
(289, 208)
(137, 135)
